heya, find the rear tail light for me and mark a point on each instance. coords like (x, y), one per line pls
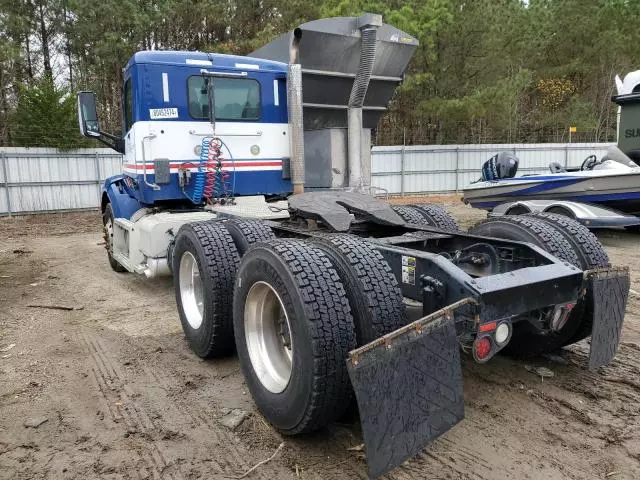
(560, 316)
(487, 327)
(502, 334)
(482, 349)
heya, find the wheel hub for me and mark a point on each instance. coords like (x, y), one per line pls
(191, 290)
(268, 337)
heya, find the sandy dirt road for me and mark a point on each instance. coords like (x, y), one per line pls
(124, 398)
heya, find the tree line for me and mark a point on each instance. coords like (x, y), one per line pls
(486, 71)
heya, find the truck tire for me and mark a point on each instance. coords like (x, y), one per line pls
(205, 261)
(591, 254)
(247, 232)
(525, 228)
(410, 214)
(107, 229)
(372, 289)
(437, 216)
(528, 340)
(293, 331)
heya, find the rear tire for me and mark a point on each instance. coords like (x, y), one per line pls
(588, 248)
(527, 339)
(437, 216)
(410, 214)
(247, 232)
(300, 281)
(107, 228)
(205, 261)
(591, 254)
(372, 289)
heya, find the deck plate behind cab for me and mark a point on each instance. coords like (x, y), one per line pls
(334, 208)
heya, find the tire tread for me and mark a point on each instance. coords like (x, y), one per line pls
(437, 216)
(221, 263)
(251, 231)
(331, 325)
(410, 214)
(372, 288)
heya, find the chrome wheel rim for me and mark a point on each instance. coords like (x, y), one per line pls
(191, 290)
(268, 336)
(108, 228)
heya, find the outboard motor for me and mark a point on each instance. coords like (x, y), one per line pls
(501, 165)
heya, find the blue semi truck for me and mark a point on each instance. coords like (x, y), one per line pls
(248, 180)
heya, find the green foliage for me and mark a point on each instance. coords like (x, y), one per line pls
(46, 116)
(485, 70)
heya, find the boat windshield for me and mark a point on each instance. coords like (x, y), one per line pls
(617, 155)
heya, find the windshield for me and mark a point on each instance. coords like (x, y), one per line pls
(617, 155)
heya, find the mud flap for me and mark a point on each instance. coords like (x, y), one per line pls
(408, 385)
(610, 289)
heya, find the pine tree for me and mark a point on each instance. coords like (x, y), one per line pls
(46, 117)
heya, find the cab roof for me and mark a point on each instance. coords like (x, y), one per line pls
(203, 59)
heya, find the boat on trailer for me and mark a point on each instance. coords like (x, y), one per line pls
(601, 192)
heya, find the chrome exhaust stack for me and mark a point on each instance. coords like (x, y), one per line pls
(294, 106)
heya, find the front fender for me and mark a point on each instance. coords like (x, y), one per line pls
(123, 203)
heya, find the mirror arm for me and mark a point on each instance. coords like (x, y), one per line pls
(109, 135)
(112, 141)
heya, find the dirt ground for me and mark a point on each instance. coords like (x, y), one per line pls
(122, 396)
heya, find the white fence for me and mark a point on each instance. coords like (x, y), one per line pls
(45, 180)
(449, 168)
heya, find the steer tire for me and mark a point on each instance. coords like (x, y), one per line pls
(437, 216)
(591, 254)
(410, 214)
(217, 260)
(527, 340)
(320, 328)
(373, 292)
(247, 232)
(107, 216)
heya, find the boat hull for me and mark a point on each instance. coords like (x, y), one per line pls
(620, 191)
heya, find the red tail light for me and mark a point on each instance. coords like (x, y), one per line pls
(482, 349)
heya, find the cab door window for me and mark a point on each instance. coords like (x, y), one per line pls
(128, 105)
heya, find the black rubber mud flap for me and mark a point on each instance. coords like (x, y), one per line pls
(610, 289)
(408, 385)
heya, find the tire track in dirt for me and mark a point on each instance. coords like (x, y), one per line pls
(111, 384)
(197, 416)
(447, 458)
(231, 458)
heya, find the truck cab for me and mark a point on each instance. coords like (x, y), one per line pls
(165, 117)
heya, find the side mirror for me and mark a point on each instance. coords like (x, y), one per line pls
(88, 115)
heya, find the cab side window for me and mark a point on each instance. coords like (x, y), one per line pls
(128, 105)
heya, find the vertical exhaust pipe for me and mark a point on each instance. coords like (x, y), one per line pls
(368, 25)
(294, 107)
